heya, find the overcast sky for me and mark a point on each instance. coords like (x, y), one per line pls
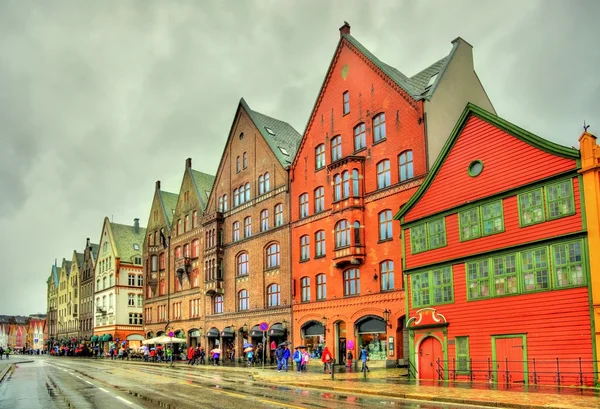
(99, 99)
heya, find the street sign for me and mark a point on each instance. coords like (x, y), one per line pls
(263, 326)
(171, 334)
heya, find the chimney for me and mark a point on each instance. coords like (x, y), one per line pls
(158, 185)
(87, 242)
(188, 163)
(136, 225)
(345, 29)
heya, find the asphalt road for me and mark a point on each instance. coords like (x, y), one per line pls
(82, 383)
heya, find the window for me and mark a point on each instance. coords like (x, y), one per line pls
(278, 215)
(478, 280)
(304, 248)
(535, 269)
(303, 205)
(186, 250)
(195, 278)
(264, 220)
(342, 234)
(360, 138)
(346, 108)
(386, 272)
(110, 301)
(469, 224)
(162, 288)
(178, 253)
(195, 248)
(248, 226)
(320, 243)
(319, 199)
(383, 174)
(245, 160)
(243, 300)
(220, 205)
(104, 282)
(385, 225)
(131, 300)
(345, 184)
(161, 262)
(247, 193)
(305, 287)
(427, 236)
(568, 265)
(462, 355)
(140, 300)
(321, 286)
(273, 295)
(337, 187)
(264, 184)
(531, 207)
(491, 222)
(379, 128)
(151, 239)
(140, 280)
(336, 148)
(267, 182)
(352, 282)
(504, 275)
(492, 218)
(186, 223)
(432, 287)
(236, 231)
(225, 205)
(218, 304)
(179, 227)
(273, 255)
(559, 199)
(355, 187)
(238, 164)
(236, 197)
(320, 156)
(194, 219)
(111, 280)
(242, 264)
(405, 165)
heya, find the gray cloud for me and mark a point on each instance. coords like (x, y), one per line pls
(100, 99)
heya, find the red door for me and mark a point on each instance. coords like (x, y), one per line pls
(430, 351)
(510, 367)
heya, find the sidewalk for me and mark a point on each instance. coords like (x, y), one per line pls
(6, 364)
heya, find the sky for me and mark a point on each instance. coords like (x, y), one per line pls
(98, 100)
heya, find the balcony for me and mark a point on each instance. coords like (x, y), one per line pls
(183, 265)
(352, 202)
(212, 287)
(100, 310)
(350, 255)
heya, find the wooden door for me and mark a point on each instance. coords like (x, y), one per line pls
(430, 351)
(509, 360)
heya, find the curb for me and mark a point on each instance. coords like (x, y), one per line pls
(5, 371)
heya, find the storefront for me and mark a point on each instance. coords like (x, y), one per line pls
(195, 337)
(212, 337)
(134, 341)
(313, 336)
(372, 333)
(227, 342)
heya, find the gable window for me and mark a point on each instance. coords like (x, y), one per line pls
(238, 164)
(179, 227)
(481, 221)
(428, 236)
(352, 282)
(247, 227)
(432, 287)
(386, 272)
(273, 295)
(236, 231)
(336, 148)
(264, 220)
(245, 160)
(405, 165)
(194, 219)
(304, 248)
(195, 248)
(360, 137)
(346, 109)
(355, 186)
(303, 205)
(264, 183)
(305, 287)
(383, 174)
(242, 264)
(320, 243)
(337, 187)
(342, 234)
(385, 225)
(186, 223)
(278, 215)
(319, 199)
(243, 300)
(379, 128)
(218, 304)
(273, 255)
(321, 286)
(320, 156)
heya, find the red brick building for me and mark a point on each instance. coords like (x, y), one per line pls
(367, 147)
(496, 262)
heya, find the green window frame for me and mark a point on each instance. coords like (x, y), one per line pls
(480, 221)
(559, 199)
(492, 218)
(504, 274)
(531, 207)
(478, 280)
(418, 238)
(463, 357)
(469, 224)
(432, 287)
(535, 270)
(428, 236)
(568, 269)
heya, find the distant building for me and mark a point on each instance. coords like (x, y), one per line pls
(86, 292)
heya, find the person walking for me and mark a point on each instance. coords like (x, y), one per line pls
(169, 355)
(202, 356)
(350, 357)
(286, 357)
(279, 358)
(7, 352)
(326, 358)
(232, 354)
(190, 355)
(298, 359)
(1, 353)
(364, 356)
(305, 360)
(215, 358)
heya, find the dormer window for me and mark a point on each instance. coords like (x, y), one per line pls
(270, 131)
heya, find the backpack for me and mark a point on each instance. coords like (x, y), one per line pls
(297, 356)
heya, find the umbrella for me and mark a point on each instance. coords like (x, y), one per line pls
(301, 347)
(248, 349)
(284, 343)
(247, 345)
(215, 351)
(163, 339)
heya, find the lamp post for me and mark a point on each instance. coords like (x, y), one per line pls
(386, 317)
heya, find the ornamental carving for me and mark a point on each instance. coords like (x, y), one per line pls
(426, 316)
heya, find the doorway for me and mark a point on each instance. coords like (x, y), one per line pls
(510, 359)
(430, 351)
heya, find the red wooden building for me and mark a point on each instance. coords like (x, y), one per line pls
(495, 258)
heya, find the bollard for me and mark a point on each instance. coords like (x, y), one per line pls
(364, 370)
(332, 370)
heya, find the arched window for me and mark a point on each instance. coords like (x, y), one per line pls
(242, 264)
(360, 139)
(195, 248)
(379, 127)
(273, 255)
(186, 250)
(247, 227)
(243, 300)
(220, 207)
(161, 288)
(356, 229)
(320, 156)
(264, 220)
(278, 215)
(319, 199)
(104, 282)
(236, 197)
(247, 192)
(273, 295)
(267, 182)
(218, 304)
(352, 281)
(303, 205)
(97, 284)
(386, 272)
(405, 165)
(337, 187)
(320, 243)
(385, 225)
(383, 174)
(304, 247)
(355, 186)
(345, 184)
(336, 148)
(305, 287)
(178, 253)
(245, 160)
(342, 234)
(236, 231)
(321, 286)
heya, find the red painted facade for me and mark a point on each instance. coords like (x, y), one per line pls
(500, 337)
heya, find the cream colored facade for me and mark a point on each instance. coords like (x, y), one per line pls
(62, 299)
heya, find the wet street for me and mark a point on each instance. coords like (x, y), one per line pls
(84, 383)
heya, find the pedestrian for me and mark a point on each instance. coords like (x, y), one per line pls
(1, 353)
(215, 358)
(350, 357)
(286, 356)
(305, 360)
(190, 355)
(169, 355)
(364, 356)
(279, 358)
(250, 357)
(273, 348)
(7, 352)
(202, 356)
(326, 358)
(298, 359)
(232, 354)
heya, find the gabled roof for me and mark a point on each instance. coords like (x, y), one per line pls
(79, 259)
(169, 204)
(55, 274)
(282, 138)
(203, 183)
(66, 264)
(510, 128)
(95, 248)
(125, 238)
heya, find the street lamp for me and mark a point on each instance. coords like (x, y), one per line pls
(245, 327)
(324, 322)
(284, 324)
(386, 317)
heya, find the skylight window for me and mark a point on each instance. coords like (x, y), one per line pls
(270, 131)
(136, 246)
(431, 80)
(284, 151)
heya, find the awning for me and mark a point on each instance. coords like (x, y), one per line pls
(94, 338)
(135, 337)
(194, 333)
(228, 332)
(371, 325)
(106, 337)
(313, 329)
(276, 330)
(213, 333)
(255, 332)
